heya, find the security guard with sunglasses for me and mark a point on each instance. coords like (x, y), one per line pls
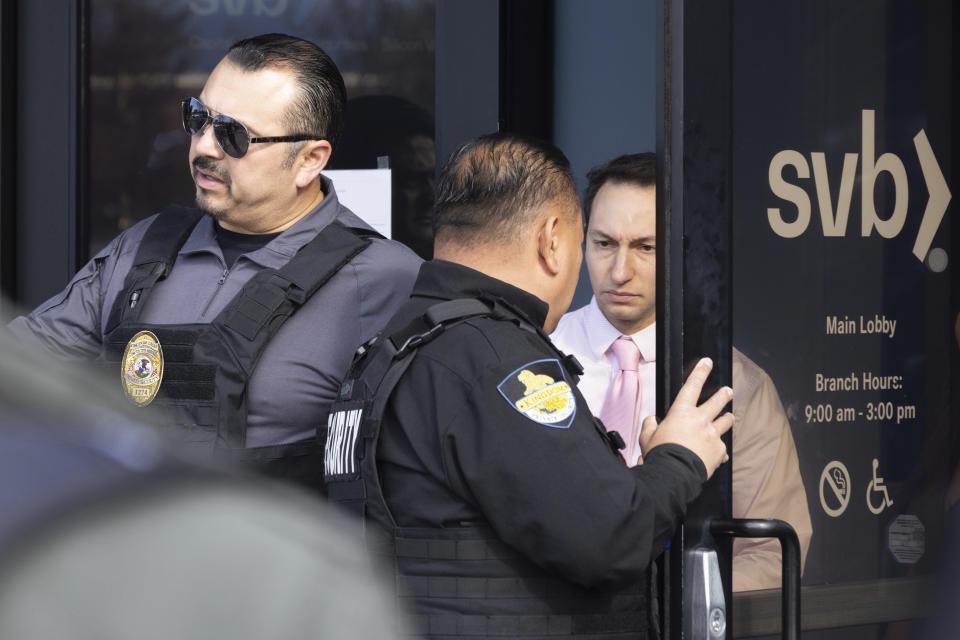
(502, 504)
(239, 318)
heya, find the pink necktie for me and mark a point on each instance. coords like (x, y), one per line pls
(621, 407)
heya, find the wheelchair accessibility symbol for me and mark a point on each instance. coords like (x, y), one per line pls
(877, 493)
(835, 488)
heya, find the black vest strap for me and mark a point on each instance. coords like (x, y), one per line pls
(239, 334)
(428, 326)
(354, 423)
(155, 257)
(273, 295)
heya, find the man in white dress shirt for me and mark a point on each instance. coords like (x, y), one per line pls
(620, 252)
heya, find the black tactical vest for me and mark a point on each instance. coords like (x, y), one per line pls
(207, 366)
(461, 581)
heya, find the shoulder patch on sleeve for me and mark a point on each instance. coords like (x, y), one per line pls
(539, 390)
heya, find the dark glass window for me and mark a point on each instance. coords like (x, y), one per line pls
(844, 155)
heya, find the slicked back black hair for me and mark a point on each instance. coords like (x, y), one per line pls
(319, 108)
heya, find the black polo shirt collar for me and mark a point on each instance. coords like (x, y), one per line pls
(449, 280)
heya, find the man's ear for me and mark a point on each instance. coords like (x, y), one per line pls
(548, 243)
(311, 161)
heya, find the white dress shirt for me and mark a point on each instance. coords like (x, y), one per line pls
(588, 335)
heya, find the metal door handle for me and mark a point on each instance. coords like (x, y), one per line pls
(790, 562)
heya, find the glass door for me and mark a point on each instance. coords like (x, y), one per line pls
(810, 150)
(845, 129)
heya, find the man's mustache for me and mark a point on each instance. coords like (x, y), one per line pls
(202, 163)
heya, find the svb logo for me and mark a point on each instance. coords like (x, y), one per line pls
(834, 221)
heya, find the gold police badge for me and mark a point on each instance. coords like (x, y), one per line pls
(539, 390)
(142, 369)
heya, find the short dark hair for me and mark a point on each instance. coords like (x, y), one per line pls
(319, 109)
(493, 185)
(639, 169)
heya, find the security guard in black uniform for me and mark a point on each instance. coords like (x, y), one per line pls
(460, 433)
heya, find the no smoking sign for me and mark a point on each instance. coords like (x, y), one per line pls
(835, 488)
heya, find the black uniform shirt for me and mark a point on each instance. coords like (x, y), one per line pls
(486, 427)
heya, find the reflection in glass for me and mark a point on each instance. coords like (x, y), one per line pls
(401, 130)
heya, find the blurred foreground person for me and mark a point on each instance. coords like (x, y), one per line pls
(104, 536)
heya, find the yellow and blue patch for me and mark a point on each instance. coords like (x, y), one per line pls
(539, 390)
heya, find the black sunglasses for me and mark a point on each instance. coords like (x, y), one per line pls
(232, 136)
